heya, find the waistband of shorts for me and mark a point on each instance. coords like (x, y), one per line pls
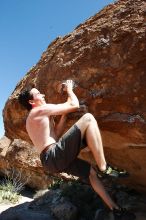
(47, 147)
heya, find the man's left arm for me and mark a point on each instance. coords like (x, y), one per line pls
(60, 126)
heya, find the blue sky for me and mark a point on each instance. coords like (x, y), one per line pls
(27, 27)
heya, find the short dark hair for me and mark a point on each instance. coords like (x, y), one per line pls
(24, 98)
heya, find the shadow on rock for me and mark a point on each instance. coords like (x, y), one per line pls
(22, 212)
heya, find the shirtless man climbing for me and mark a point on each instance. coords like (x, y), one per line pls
(58, 151)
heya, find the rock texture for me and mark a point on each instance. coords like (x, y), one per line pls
(106, 56)
(19, 161)
(80, 203)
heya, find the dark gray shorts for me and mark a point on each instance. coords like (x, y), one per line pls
(62, 156)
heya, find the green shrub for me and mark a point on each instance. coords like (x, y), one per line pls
(10, 187)
(8, 193)
(56, 183)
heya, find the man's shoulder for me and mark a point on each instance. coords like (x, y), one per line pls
(42, 110)
(34, 112)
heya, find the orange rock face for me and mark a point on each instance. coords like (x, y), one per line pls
(106, 56)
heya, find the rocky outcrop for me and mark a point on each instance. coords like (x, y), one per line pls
(20, 161)
(106, 57)
(74, 201)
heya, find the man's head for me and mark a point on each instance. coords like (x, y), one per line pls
(30, 98)
(24, 98)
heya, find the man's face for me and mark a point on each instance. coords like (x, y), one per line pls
(38, 98)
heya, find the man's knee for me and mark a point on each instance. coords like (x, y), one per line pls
(84, 121)
(88, 117)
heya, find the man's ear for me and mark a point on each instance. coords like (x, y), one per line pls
(31, 102)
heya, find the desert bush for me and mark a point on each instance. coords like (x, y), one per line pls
(11, 186)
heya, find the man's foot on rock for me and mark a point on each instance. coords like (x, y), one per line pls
(123, 214)
(112, 172)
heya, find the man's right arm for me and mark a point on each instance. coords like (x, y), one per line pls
(71, 105)
(72, 98)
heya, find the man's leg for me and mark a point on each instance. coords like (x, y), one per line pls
(100, 190)
(89, 129)
(118, 212)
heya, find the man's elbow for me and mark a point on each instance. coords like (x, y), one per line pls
(76, 106)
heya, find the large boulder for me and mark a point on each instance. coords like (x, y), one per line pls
(19, 161)
(106, 56)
